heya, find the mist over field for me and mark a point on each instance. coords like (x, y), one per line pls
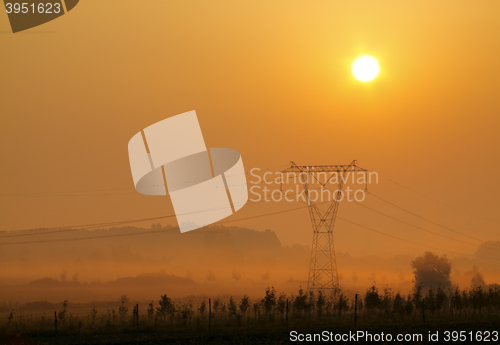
(144, 263)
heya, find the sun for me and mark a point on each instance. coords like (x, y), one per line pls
(365, 68)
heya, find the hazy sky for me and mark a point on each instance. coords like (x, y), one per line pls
(272, 80)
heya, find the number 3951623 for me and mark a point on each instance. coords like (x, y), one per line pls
(33, 8)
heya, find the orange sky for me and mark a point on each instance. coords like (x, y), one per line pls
(272, 80)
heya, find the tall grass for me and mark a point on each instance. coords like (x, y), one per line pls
(273, 311)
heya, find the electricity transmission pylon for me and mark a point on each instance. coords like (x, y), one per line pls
(323, 266)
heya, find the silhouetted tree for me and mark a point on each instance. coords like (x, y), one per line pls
(281, 304)
(244, 304)
(320, 303)
(256, 309)
(441, 299)
(431, 270)
(93, 314)
(372, 298)
(231, 307)
(342, 304)
(477, 280)
(203, 308)
(456, 300)
(166, 307)
(151, 311)
(398, 306)
(300, 302)
(186, 312)
(269, 301)
(409, 305)
(62, 314)
(123, 309)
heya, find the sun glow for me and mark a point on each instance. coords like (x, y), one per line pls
(365, 68)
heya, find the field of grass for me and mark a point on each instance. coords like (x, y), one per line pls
(263, 320)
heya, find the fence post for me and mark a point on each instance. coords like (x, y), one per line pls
(355, 310)
(423, 309)
(55, 320)
(209, 313)
(286, 314)
(137, 307)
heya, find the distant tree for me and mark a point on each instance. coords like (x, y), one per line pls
(236, 275)
(311, 302)
(63, 276)
(210, 276)
(123, 310)
(441, 299)
(166, 307)
(244, 304)
(281, 304)
(320, 303)
(300, 302)
(409, 304)
(231, 307)
(477, 281)
(342, 304)
(269, 301)
(456, 300)
(217, 305)
(10, 318)
(465, 299)
(477, 298)
(360, 305)
(398, 304)
(203, 308)
(93, 314)
(386, 300)
(417, 296)
(430, 301)
(372, 298)
(151, 311)
(431, 270)
(62, 314)
(256, 309)
(186, 312)
(330, 304)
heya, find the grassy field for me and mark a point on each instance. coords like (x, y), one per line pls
(262, 320)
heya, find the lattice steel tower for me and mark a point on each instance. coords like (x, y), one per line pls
(323, 266)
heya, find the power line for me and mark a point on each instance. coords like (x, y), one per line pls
(68, 193)
(62, 192)
(419, 244)
(427, 220)
(85, 227)
(62, 195)
(229, 221)
(138, 233)
(440, 202)
(423, 229)
(95, 225)
(67, 228)
(408, 241)
(418, 227)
